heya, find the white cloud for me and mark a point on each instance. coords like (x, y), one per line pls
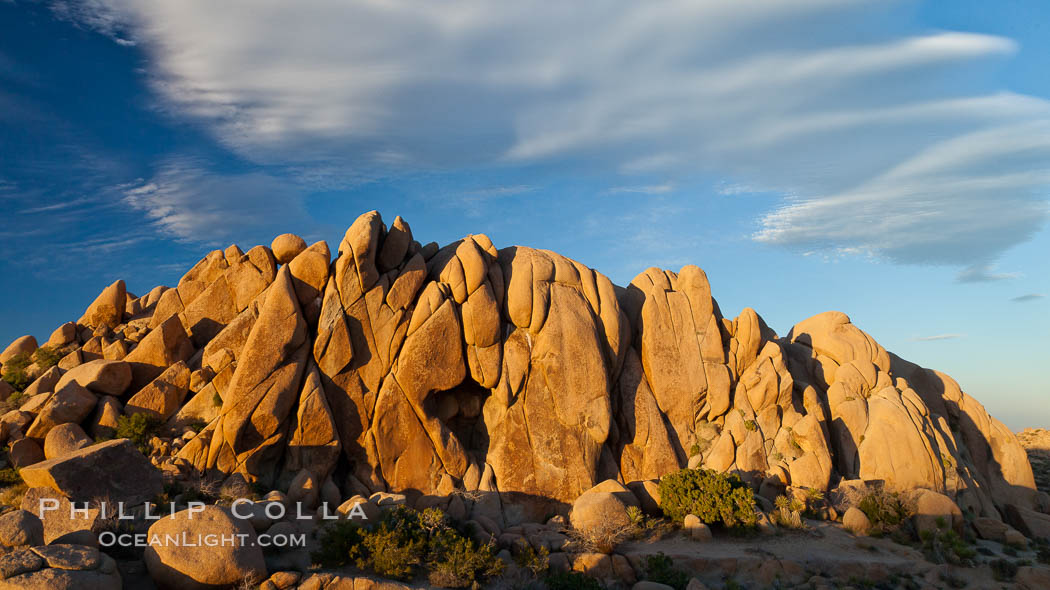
(984, 273)
(187, 201)
(937, 337)
(647, 189)
(852, 121)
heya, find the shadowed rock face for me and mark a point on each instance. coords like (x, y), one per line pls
(398, 366)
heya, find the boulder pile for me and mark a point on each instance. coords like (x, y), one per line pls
(397, 367)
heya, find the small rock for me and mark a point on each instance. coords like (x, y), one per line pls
(856, 521)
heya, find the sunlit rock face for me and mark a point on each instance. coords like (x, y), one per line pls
(398, 366)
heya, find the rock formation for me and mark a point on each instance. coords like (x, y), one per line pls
(404, 367)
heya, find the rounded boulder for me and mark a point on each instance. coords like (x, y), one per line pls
(200, 566)
(286, 247)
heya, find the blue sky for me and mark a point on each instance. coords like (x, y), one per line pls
(887, 159)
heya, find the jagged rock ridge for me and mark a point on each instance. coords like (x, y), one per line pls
(398, 366)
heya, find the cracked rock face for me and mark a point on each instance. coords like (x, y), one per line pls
(396, 366)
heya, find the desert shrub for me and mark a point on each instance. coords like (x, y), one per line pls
(713, 497)
(457, 562)
(337, 540)
(600, 538)
(946, 546)
(404, 543)
(887, 511)
(216, 400)
(14, 401)
(788, 512)
(139, 428)
(9, 476)
(660, 568)
(1003, 570)
(535, 562)
(47, 357)
(1042, 554)
(571, 581)
(197, 426)
(391, 553)
(15, 371)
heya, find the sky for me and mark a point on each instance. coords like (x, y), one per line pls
(890, 160)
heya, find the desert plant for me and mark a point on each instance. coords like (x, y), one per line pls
(887, 511)
(390, 552)
(945, 546)
(406, 542)
(13, 401)
(47, 357)
(713, 497)
(535, 562)
(602, 537)
(336, 541)
(14, 371)
(788, 512)
(458, 562)
(1003, 570)
(139, 428)
(660, 568)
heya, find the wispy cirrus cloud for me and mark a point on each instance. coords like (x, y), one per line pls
(186, 200)
(936, 338)
(1028, 297)
(645, 189)
(984, 273)
(870, 150)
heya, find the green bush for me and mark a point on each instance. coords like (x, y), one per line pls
(15, 371)
(571, 581)
(9, 476)
(1003, 570)
(391, 553)
(457, 562)
(945, 546)
(535, 562)
(886, 511)
(139, 428)
(404, 543)
(47, 357)
(337, 541)
(660, 568)
(14, 401)
(713, 497)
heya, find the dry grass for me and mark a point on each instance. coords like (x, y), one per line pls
(12, 495)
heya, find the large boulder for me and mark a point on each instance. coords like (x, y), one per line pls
(113, 469)
(164, 346)
(203, 567)
(65, 439)
(602, 507)
(71, 403)
(164, 395)
(104, 377)
(23, 345)
(108, 308)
